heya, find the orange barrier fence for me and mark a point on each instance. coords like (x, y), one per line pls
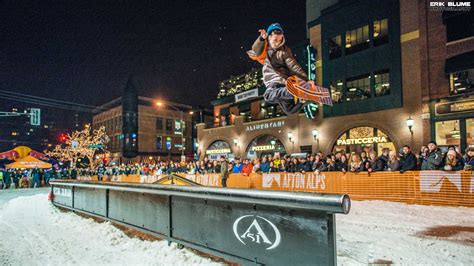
(419, 187)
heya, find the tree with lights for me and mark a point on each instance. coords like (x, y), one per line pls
(80, 144)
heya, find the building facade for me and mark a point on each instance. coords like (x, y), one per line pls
(160, 133)
(388, 64)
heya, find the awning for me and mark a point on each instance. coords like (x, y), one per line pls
(459, 63)
(29, 162)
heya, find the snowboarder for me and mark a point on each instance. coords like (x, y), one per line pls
(280, 67)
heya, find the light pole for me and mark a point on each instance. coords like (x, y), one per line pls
(315, 137)
(180, 123)
(410, 122)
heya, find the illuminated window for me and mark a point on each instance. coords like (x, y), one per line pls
(382, 83)
(335, 48)
(380, 32)
(470, 132)
(336, 91)
(159, 123)
(448, 134)
(357, 40)
(461, 82)
(358, 88)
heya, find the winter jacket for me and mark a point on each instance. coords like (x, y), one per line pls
(433, 161)
(407, 162)
(247, 169)
(278, 64)
(237, 168)
(393, 165)
(381, 164)
(468, 162)
(305, 167)
(265, 167)
(224, 171)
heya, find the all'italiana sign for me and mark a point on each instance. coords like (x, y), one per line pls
(265, 125)
(362, 140)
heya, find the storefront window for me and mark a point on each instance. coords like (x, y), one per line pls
(357, 40)
(335, 48)
(461, 82)
(244, 110)
(265, 145)
(448, 134)
(380, 32)
(470, 132)
(382, 83)
(219, 148)
(358, 88)
(363, 139)
(336, 91)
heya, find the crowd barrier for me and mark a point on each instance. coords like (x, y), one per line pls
(416, 187)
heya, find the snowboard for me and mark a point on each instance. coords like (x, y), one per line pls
(308, 91)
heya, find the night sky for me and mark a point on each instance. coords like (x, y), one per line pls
(85, 51)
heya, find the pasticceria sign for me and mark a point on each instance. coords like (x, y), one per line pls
(219, 151)
(368, 140)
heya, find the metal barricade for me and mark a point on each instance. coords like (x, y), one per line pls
(245, 226)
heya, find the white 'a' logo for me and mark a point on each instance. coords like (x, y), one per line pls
(255, 233)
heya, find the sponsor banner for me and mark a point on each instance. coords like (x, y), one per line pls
(294, 181)
(210, 180)
(433, 181)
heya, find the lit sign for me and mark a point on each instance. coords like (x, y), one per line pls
(246, 95)
(168, 143)
(263, 148)
(178, 129)
(265, 125)
(361, 141)
(219, 151)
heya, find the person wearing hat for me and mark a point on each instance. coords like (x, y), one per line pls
(434, 158)
(278, 62)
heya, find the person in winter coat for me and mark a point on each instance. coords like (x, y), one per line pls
(265, 165)
(237, 167)
(356, 164)
(278, 63)
(468, 159)
(393, 163)
(304, 166)
(452, 162)
(407, 160)
(434, 159)
(382, 161)
(224, 171)
(247, 167)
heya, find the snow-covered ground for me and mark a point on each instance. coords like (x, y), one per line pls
(33, 232)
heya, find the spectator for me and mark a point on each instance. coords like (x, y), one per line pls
(407, 160)
(304, 166)
(393, 163)
(265, 165)
(356, 164)
(434, 159)
(247, 167)
(224, 171)
(256, 165)
(452, 162)
(382, 162)
(468, 159)
(237, 166)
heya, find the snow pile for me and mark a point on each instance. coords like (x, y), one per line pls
(33, 231)
(378, 231)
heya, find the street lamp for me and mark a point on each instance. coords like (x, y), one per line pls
(236, 142)
(180, 123)
(290, 136)
(315, 134)
(273, 142)
(410, 122)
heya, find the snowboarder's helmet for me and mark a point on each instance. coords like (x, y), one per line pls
(274, 26)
